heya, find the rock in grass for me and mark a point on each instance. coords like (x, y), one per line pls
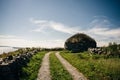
(79, 42)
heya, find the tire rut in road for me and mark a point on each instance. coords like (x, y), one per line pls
(76, 75)
(44, 71)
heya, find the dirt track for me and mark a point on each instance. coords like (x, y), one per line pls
(44, 71)
(72, 70)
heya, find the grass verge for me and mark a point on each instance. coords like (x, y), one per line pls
(94, 68)
(30, 71)
(57, 70)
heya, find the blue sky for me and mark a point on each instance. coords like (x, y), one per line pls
(48, 23)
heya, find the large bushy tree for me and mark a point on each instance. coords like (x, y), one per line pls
(79, 42)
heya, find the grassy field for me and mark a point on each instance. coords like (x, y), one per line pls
(95, 67)
(31, 70)
(57, 70)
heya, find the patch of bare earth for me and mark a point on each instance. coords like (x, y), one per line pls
(44, 71)
(76, 75)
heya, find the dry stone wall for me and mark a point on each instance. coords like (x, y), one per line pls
(10, 67)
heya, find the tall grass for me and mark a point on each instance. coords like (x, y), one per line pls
(95, 67)
(30, 71)
(57, 70)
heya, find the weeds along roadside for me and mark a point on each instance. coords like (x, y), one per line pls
(58, 72)
(96, 68)
(30, 71)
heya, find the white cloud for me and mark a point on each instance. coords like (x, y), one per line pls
(105, 35)
(9, 40)
(100, 16)
(62, 28)
(107, 32)
(44, 24)
(102, 43)
(7, 36)
(100, 29)
(104, 31)
(37, 21)
(102, 26)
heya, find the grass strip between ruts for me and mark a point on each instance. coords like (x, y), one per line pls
(58, 72)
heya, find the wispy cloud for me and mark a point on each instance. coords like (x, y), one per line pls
(11, 40)
(7, 36)
(44, 24)
(100, 28)
(104, 30)
(105, 35)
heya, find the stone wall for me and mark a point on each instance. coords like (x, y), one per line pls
(10, 67)
(96, 50)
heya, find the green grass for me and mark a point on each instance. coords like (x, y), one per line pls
(30, 71)
(57, 70)
(95, 67)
